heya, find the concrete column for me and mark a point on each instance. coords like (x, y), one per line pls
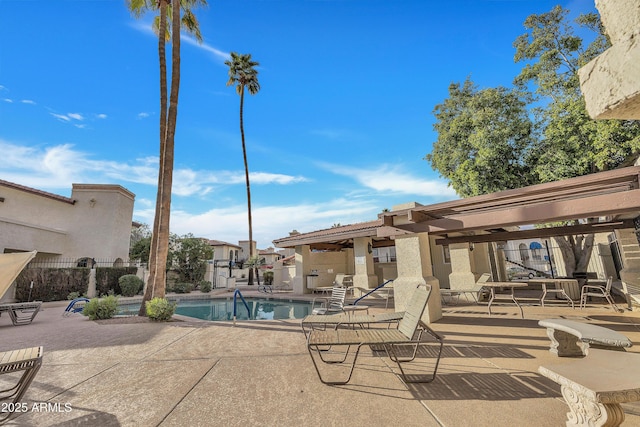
(413, 254)
(91, 291)
(611, 82)
(461, 276)
(299, 282)
(364, 277)
(630, 274)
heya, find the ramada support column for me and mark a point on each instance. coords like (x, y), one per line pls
(461, 276)
(364, 277)
(303, 254)
(413, 255)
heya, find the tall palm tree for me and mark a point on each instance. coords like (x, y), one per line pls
(166, 30)
(243, 74)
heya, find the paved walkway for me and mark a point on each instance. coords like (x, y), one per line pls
(185, 373)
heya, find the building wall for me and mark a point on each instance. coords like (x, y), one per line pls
(97, 225)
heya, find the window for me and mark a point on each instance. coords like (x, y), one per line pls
(446, 255)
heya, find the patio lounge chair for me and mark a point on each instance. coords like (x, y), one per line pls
(331, 305)
(28, 360)
(409, 332)
(474, 291)
(313, 321)
(11, 265)
(21, 313)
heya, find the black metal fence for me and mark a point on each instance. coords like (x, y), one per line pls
(83, 263)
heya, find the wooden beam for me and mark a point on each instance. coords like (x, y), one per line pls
(539, 233)
(588, 207)
(617, 180)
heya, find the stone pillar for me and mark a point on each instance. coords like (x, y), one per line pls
(364, 277)
(461, 276)
(299, 282)
(630, 274)
(91, 290)
(413, 255)
(611, 82)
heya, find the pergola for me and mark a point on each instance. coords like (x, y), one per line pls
(613, 196)
(610, 200)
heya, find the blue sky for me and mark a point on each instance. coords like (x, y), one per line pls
(337, 133)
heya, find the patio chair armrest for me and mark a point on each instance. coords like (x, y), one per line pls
(594, 287)
(324, 302)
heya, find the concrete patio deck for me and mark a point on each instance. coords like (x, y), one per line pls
(190, 373)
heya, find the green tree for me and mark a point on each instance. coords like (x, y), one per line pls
(243, 74)
(140, 250)
(487, 142)
(189, 258)
(483, 139)
(156, 284)
(572, 144)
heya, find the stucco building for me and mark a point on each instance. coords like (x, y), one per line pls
(94, 223)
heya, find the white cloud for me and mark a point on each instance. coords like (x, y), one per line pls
(61, 117)
(8, 100)
(230, 224)
(143, 115)
(69, 117)
(217, 53)
(59, 166)
(335, 134)
(386, 178)
(101, 116)
(28, 101)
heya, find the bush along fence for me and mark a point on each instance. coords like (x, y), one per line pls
(55, 278)
(55, 284)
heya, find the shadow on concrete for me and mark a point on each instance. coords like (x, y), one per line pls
(476, 386)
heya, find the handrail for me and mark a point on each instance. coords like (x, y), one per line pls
(235, 294)
(370, 292)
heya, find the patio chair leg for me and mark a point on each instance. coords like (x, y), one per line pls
(315, 365)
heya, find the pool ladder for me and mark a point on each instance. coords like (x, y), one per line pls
(235, 295)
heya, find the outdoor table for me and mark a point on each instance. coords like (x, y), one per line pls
(568, 288)
(511, 296)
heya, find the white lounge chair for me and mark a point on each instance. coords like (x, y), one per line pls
(331, 305)
(409, 333)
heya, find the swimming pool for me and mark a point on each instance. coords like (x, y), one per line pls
(221, 309)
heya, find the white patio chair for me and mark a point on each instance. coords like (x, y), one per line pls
(598, 292)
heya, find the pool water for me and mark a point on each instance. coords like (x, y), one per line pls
(222, 309)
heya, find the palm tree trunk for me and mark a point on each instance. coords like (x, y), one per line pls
(246, 174)
(172, 118)
(150, 290)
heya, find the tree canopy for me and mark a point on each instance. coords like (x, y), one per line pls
(494, 139)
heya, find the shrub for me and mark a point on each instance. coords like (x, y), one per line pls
(160, 309)
(73, 295)
(205, 286)
(101, 308)
(182, 288)
(267, 276)
(130, 285)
